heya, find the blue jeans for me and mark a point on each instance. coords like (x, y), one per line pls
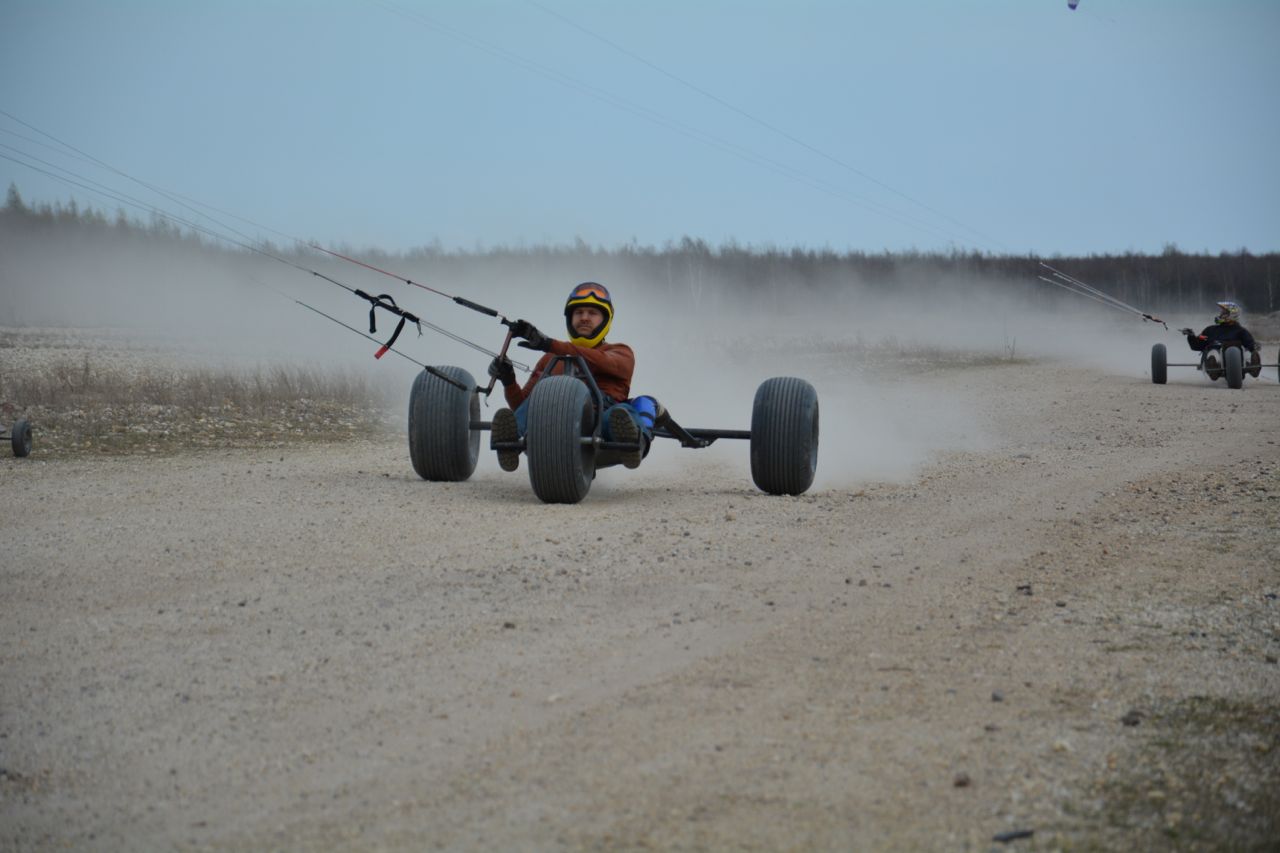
(643, 410)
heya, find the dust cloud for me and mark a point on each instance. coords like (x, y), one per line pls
(885, 360)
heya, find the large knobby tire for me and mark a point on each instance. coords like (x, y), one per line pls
(1159, 364)
(442, 444)
(784, 436)
(561, 465)
(20, 438)
(1233, 366)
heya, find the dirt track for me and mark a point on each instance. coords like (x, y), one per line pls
(311, 648)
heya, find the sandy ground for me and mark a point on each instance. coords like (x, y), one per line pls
(1072, 629)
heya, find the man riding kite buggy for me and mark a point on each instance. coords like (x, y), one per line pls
(575, 415)
(588, 316)
(1226, 348)
(1226, 330)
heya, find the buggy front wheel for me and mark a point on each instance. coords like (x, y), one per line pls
(442, 445)
(784, 436)
(561, 463)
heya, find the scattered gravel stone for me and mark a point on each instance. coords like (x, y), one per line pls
(1012, 835)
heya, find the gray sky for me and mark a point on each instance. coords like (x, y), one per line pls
(1001, 125)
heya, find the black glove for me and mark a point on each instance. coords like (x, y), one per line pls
(1188, 332)
(533, 339)
(503, 371)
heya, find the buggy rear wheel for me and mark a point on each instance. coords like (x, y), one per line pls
(20, 438)
(561, 464)
(1159, 364)
(442, 444)
(1233, 366)
(784, 436)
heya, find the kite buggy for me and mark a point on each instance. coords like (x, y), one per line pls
(566, 439)
(1222, 360)
(564, 442)
(1226, 349)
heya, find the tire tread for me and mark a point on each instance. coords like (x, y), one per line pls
(560, 471)
(442, 445)
(784, 436)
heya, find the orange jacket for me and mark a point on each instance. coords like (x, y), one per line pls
(610, 364)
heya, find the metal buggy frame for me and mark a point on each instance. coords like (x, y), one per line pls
(1232, 365)
(564, 442)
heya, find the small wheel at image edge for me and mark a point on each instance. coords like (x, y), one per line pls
(20, 438)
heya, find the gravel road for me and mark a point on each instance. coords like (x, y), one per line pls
(309, 648)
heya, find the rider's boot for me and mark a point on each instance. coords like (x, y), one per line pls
(505, 429)
(623, 429)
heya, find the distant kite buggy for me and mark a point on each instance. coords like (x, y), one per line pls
(1226, 348)
(1221, 360)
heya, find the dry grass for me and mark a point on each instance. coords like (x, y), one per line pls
(91, 399)
(88, 382)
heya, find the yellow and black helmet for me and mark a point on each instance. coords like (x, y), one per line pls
(596, 295)
(1230, 313)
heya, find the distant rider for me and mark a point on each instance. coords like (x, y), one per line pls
(588, 314)
(1226, 329)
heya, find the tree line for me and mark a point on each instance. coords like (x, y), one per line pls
(1170, 280)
